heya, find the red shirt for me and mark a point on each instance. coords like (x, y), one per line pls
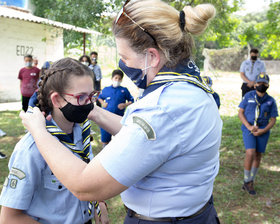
(29, 78)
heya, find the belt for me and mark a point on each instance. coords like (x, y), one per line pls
(132, 213)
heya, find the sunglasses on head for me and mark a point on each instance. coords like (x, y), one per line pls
(122, 12)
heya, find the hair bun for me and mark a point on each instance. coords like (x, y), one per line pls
(197, 17)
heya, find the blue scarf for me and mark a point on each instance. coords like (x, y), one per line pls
(186, 71)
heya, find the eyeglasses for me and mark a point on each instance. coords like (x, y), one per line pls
(83, 99)
(122, 12)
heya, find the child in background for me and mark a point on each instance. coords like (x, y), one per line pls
(115, 99)
(31, 193)
(258, 112)
(28, 77)
(216, 96)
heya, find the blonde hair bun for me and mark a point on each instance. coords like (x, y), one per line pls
(197, 17)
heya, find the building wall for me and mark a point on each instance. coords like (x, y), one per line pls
(19, 38)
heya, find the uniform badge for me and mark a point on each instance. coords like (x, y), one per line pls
(13, 183)
(265, 114)
(18, 173)
(146, 127)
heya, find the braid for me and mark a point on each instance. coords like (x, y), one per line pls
(43, 95)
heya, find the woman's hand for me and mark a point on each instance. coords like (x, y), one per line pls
(33, 121)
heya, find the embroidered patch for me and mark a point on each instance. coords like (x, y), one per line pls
(6, 182)
(265, 114)
(13, 183)
(18, 173)
(149, 131)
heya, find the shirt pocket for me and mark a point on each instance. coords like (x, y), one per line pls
(52, 183)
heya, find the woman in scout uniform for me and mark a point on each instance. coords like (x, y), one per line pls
(31, 192)
(258, 112)
(165, 154)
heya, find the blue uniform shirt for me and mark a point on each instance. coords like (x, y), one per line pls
(97, 71)
(252, 70)
(268, 108)
(167, 151)
(114, 96)
(32, 187)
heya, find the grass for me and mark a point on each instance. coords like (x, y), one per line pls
(232, 204)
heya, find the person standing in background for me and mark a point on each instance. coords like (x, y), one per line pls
(85, 60)
(28, 77)
(97, 73)
(35, 62)
(250, 69)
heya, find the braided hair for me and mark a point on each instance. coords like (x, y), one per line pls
(56, 79)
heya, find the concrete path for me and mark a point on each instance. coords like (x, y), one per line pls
(10, 106)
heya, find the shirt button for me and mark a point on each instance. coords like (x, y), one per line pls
(85, 211)
(59, 187)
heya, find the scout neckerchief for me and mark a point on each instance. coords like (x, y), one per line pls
(184, 72)
(257, 111)
(66, 140)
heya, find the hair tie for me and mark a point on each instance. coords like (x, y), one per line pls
(182, 20)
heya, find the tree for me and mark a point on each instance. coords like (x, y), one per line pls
(271, 29)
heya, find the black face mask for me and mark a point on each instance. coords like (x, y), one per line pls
(254, 58)
(76, 114)
(262, 88)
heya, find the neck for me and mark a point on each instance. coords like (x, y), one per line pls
(62, 122)
(260, 94)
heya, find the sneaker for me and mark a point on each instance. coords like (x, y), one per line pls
(249, 187)
(2, 156)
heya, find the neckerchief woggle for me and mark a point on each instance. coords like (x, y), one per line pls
(185, 71)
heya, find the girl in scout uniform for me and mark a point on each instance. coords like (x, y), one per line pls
(258, 112)
(31, 192)
(165, 154)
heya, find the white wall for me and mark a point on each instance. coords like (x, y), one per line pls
(19, 38)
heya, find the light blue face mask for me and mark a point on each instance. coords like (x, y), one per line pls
(28, 64)
(135, 74)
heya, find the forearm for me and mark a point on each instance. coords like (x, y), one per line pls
(269, 125)
(106, 120)
(243, 77)
(60, 159)
(14, 216)
(88, 182)
(243, 119)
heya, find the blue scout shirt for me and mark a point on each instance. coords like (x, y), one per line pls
(32, 187)
(252, 70)
(167, 151)
(114, 96)
(97, 71)
(268, 108)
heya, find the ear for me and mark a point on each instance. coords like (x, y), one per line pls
(57, 100)
(155, 57)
